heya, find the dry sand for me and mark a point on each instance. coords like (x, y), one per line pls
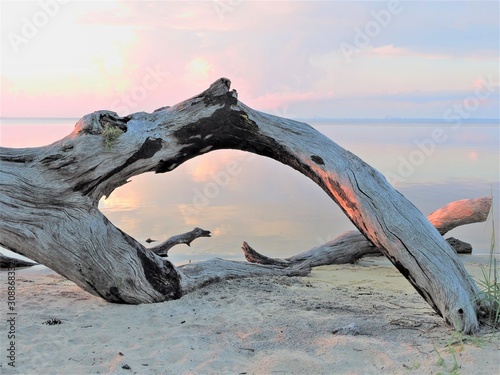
(349, 319)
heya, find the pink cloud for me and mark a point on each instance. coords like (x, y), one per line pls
(391, 51)
(104, 53)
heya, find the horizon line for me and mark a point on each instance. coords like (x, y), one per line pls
(390, 118)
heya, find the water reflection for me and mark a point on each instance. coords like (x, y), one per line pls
(266, 203)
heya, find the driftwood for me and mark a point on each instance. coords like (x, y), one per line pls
(462, 212)
(459, 246)
(185, 238)
(351, 246)
(49, 201)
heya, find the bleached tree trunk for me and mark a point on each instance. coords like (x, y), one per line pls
(351, 246)
(49, 200)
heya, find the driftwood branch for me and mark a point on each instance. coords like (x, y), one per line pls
(459, 246)
(462, 212)
(347, 248)
(197, 275)
(49, 199)
(184, 238)
(352, 246)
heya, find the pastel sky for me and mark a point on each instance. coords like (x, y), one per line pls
(335, 59)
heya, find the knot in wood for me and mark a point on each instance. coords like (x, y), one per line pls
(95, 122)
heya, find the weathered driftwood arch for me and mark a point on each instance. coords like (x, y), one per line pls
(50, 195)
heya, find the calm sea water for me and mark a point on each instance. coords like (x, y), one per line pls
(243, 197)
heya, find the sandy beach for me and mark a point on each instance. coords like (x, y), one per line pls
(349, 319)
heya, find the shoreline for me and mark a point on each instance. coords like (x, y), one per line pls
(481, 258)
(342, 319)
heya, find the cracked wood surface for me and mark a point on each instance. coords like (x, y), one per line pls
(50, 195)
